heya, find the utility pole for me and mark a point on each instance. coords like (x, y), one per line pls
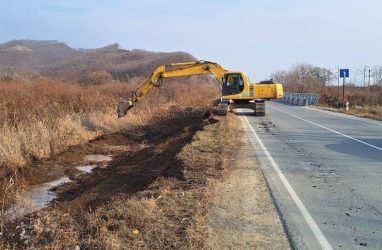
(338, 68)
(369, 82)
(369, 77)
(364, 77)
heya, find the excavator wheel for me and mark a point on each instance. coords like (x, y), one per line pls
(259, 109)
(222, 108)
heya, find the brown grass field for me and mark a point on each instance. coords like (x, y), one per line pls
(356, 96)
(363, 101)
(43, 118)
(162, 204)
(152, 195)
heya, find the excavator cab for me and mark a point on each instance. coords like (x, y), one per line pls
(233, 84)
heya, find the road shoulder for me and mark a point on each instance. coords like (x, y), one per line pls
(243, 215)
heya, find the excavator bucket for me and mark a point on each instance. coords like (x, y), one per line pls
(123, 107)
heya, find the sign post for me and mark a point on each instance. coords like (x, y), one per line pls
(344, 73)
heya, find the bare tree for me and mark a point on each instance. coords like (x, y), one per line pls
(378, 76)
(303, 77)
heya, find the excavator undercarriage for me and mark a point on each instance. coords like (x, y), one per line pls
(258, 107)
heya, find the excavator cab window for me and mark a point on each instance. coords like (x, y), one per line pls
(232, 84)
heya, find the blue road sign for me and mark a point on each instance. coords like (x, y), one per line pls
(344, 73)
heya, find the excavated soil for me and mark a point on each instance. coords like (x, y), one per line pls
(138, 157)
(150, 156)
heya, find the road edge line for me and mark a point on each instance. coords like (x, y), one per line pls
(335, 113)
(347, 116)
(332, 130)
(304, 212)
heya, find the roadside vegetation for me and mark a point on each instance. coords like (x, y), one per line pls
(45, 117)
(365, 101)
(161, 204)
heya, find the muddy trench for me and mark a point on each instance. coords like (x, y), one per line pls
(122, 163)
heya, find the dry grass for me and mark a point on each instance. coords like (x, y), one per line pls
(363, 101)
(169, 214)
(366, 112)
(43, 118)
(356, 96)
(40, 119)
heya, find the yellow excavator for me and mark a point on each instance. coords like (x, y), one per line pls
(236, 91)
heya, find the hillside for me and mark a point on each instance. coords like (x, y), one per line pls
(33, 55)
(59, 61)
(121, 64)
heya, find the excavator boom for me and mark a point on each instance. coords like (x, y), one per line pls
(169, 71)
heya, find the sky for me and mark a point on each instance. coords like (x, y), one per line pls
(258, 37)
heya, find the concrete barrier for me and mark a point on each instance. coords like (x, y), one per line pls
(299, 101)
(295, 98)
(295, 101)
(302, 102)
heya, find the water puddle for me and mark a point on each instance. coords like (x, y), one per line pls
(86, 169)
(98, 158)
(36, 198)
(39, 196)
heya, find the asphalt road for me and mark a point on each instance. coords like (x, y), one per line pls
(324, 171)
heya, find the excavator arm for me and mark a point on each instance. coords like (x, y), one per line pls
(169, 71)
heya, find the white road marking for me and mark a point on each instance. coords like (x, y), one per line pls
(301, 207)
(351, 117)
(332, 130)
(345, 116)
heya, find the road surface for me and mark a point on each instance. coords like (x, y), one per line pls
(324, 171)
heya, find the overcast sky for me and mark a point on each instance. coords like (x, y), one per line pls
(258, 36)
